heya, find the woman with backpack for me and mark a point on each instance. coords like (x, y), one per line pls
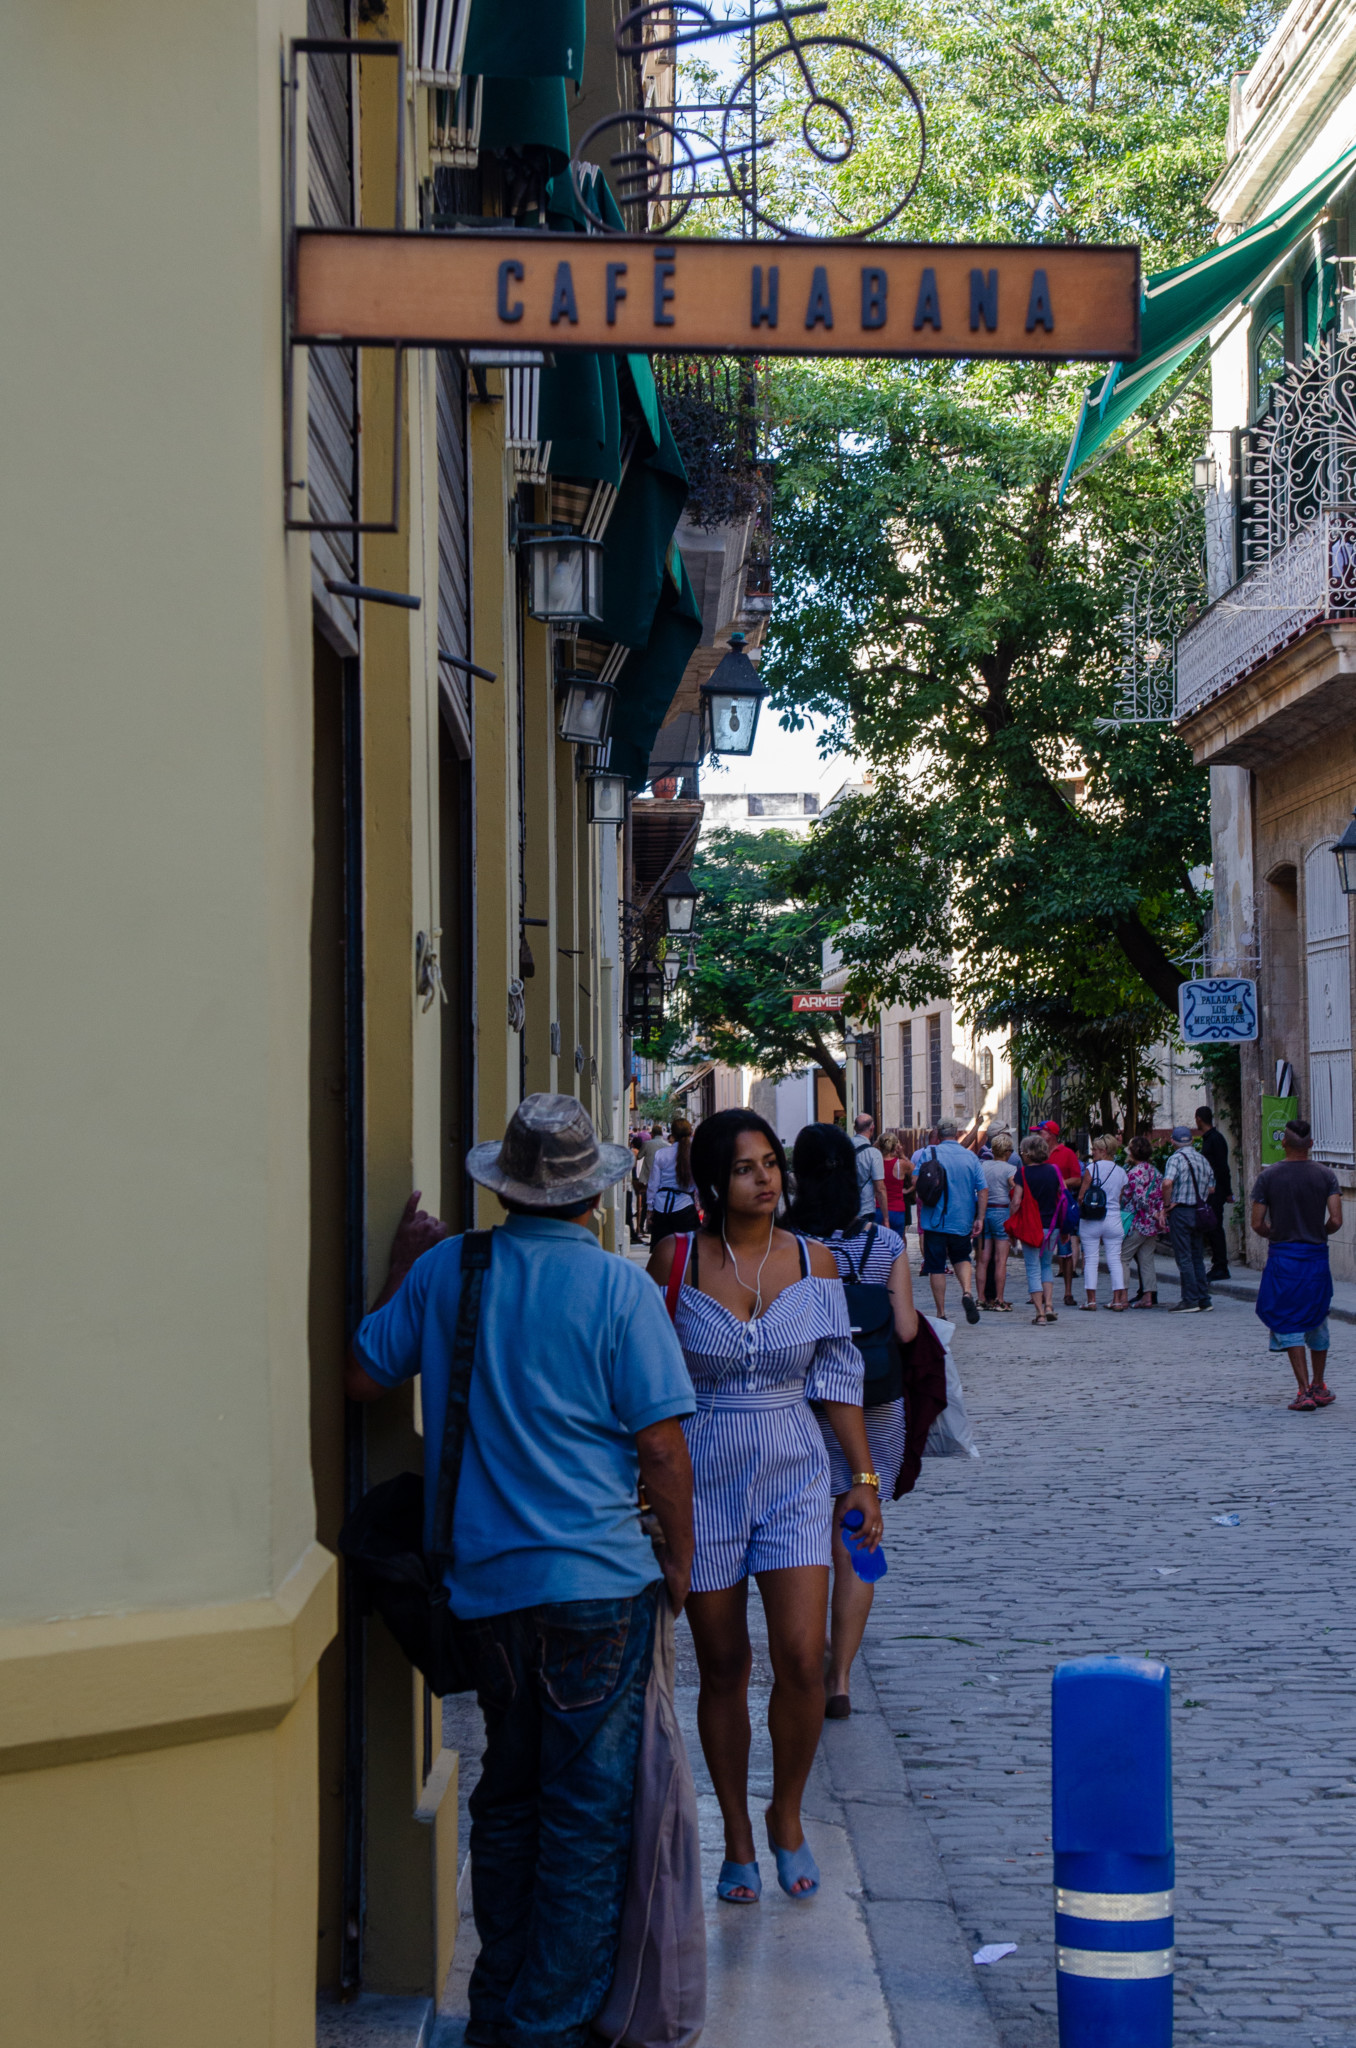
(1044, 1184)
(672, 1192)
(1099, 1223)
(824, 1166)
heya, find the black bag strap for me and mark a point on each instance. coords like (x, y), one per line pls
(476, 1247)
(856, 1276)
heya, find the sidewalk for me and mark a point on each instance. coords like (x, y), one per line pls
(876, 1959)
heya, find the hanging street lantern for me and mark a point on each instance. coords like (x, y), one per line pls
(691, 963)
(586, 707)
(645, 995)
(564, 577)
(680, 901)
(672, 968)
(730, 702)
(607, 797)
(1345, 851)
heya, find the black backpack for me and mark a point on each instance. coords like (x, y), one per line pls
(872, 1316)
(1092, 1208)
(932, 1183)
(383, 1538)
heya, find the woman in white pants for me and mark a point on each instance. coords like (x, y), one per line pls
(1104, 1232)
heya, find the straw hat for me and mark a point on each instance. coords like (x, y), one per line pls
(550, 1157)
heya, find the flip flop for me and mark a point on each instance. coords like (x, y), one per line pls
(739, 1877)
(838, 1707)
(792, 1866)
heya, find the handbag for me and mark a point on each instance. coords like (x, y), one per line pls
(658, 1994)
(1024, 1219)
(1093, 1207)
(1204, 1214)
(382, 1538)
(872, 1316)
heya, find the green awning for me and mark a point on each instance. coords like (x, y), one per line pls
(527, 115)
(526, 39)
(649, 677)
(579, 413)
(1180, 307)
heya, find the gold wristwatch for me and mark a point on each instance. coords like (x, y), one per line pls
(867, 1479)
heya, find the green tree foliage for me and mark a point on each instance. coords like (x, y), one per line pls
(757, 940)
(939, 613)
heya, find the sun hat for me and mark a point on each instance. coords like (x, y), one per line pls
(550, 1156)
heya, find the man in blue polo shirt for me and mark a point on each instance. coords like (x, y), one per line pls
(949, 1225)
(576, 1394)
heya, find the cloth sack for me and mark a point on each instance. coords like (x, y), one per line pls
(1296, 1289)
(950, 1435)
(658, 1995)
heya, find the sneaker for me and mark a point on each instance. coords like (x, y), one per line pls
(1207, 1308)
(1185, 1308)
(1221, 1274)
(971, 1311)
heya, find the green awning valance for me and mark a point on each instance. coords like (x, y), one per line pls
(579, 413)
(650, 676)
(1181, 306)
(648, 508)
(527, 114)
(526, 39)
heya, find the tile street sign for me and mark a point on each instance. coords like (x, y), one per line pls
(1221, 1010)
(811, 298)
(816, 999)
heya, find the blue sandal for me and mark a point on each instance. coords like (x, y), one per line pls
(792, 1865)
(736, 1877)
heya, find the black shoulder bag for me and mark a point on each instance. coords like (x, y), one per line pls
(872, 1316)
(383, 1538)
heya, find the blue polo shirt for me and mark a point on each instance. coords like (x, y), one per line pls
(575, 1354)
(964, 1185)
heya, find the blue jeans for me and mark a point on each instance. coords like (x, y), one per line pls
(1188, 1248)
(562, 1689)
(1039, 1260)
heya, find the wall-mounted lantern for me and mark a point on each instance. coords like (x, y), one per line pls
(1345, 851)
(672, 968)
(607, 797)
(680, 901)
(730, 702)
(586, 706)
(564, 576)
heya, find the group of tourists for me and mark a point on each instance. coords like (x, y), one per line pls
(633, 1447)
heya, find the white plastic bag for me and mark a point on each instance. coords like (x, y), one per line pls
(950, 1435)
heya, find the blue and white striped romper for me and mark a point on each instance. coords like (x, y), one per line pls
(761, 1477)
(884, 1424)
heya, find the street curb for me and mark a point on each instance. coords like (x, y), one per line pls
(922, 1958)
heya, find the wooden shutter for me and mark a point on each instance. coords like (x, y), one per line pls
(454, 560)
(1328, 961)
(332, 432)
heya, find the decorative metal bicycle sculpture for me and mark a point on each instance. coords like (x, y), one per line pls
(709, 152)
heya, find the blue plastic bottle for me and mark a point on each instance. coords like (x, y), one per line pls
(869, 1565)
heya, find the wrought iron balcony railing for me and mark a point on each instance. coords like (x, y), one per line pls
(1312, 579)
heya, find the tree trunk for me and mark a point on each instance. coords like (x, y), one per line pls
(1132, 1095)
(1149, 960)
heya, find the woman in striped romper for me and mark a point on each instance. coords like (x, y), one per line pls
(763, 1325)
(824, 1167)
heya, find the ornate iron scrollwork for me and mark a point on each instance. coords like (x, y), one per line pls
(662, 161)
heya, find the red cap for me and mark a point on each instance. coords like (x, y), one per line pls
(1052, 1127)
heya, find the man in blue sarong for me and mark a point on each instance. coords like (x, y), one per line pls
(1298, 1206)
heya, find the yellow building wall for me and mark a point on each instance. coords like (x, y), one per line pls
(157, 1748)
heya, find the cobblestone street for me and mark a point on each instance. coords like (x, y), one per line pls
(1108, 1445)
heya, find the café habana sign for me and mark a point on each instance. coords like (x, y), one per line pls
(527, 290)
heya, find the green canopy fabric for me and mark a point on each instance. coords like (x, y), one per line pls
(526, 39)
(579, 413)
(1180, 306)
(648, 508)
(650, 676)
(527, 114)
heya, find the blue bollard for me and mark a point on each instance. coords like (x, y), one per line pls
(1113, 1852)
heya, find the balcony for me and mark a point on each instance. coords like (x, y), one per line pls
(1272, 663)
